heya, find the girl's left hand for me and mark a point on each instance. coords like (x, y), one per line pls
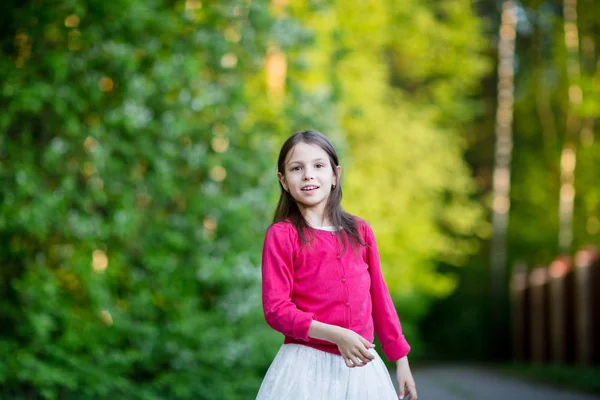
(406, 382)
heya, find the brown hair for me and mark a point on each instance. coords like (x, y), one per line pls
(287, 208)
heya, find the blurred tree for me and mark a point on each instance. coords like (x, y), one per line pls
(400, 88)
(542, 109)
(540, 112)
(135, 176)
(412, 144)
(502, 165)
(573, 122)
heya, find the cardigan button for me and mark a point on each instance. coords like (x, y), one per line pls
(343, 280)
(347, 304)
(338, 256)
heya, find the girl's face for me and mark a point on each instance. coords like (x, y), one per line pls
(308, 175)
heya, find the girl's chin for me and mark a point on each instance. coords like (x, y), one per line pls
(311, 204)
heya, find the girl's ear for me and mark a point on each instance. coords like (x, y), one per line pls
(281, 178)
(338, 175)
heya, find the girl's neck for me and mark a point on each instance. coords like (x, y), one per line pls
(315, 218)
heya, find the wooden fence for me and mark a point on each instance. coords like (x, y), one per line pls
(556, 310)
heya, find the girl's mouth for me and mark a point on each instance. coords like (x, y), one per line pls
(308, 188)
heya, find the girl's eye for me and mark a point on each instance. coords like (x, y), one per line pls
(319, 165)
(296, 169)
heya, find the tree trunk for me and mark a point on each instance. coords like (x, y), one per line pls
(502, 161)
(568, 156)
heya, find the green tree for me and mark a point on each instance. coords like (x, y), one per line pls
(402, 92)
(541, 111)
(135, 176)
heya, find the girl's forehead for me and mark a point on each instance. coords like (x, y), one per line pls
(306, 152)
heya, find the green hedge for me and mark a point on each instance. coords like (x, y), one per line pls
(135, 169)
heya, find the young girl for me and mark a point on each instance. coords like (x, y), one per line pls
(323, 288)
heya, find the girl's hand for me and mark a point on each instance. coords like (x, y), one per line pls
(354, 348)
(406, 382)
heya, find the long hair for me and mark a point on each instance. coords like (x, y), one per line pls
(287, 208)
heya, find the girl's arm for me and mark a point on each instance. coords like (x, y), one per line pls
(386, 321)
(385, 318)
(406, 382)
(352, 346)
(323, 331)
(277, 283)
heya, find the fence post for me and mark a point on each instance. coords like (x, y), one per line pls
(538, 302)
(519, 298)
(587, 307)
(561, 318)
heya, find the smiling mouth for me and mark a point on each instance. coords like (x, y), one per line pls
(308, 188)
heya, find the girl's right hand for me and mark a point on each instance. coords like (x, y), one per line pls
(354, 348)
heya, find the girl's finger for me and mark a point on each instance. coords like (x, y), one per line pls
(366, 354)
(402, 390)
(364, 361)
(358, 362)
(367, 344)
(362, 355)
(413, 392)
(348, 362)
(355, 358)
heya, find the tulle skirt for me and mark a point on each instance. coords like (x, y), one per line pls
(302, 373)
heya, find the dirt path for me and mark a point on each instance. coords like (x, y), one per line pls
(469, 383)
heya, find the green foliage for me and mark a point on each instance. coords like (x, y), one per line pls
(458, 327)
(137, 148)
(136, 183)
(402, 91)
(134, 197)
(407, 175)
(541, 107)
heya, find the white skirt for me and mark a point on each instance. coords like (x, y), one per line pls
(300, 372)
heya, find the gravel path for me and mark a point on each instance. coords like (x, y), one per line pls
(469, 383)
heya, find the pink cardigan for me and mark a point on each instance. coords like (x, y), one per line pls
(317, 281)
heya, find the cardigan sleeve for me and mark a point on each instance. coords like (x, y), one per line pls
(385, 319)
(277, 284)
